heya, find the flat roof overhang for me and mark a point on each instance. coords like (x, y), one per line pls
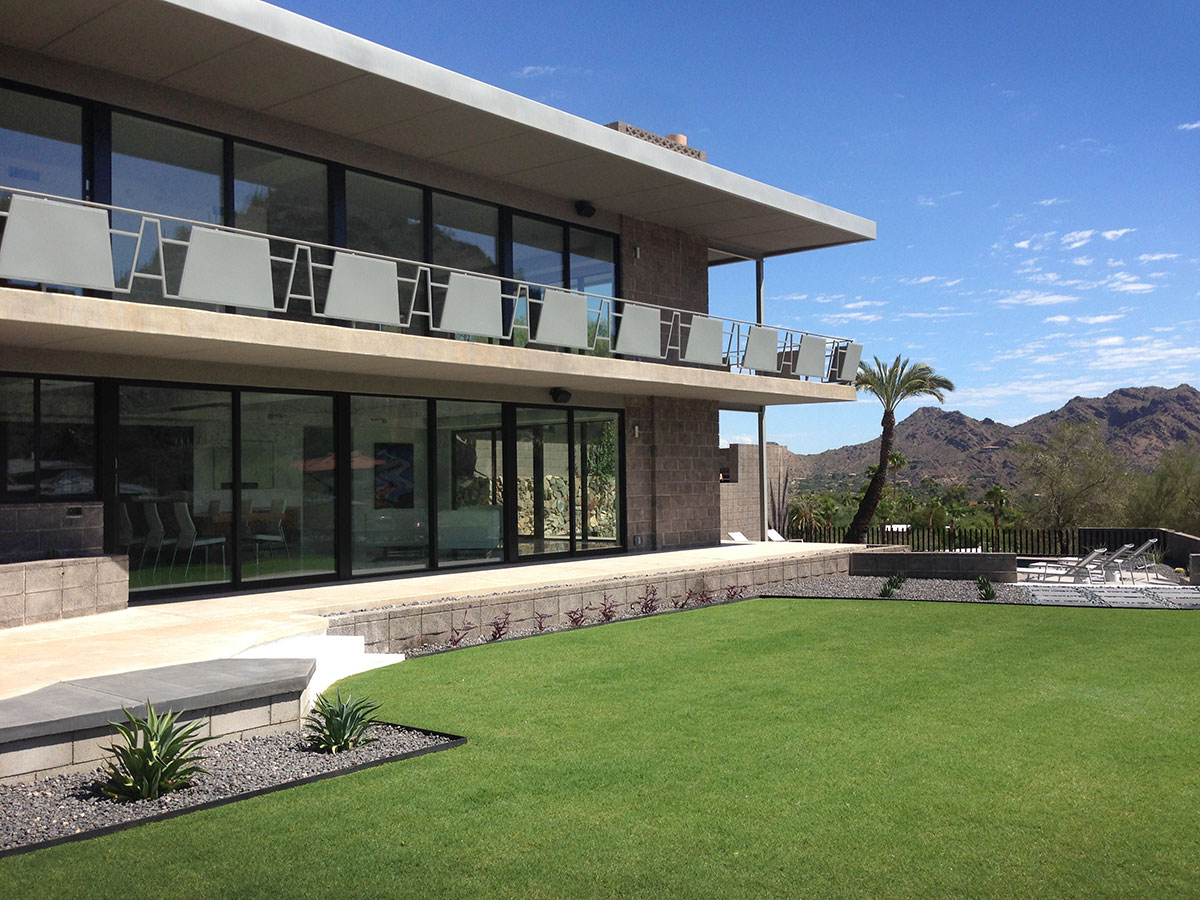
(254, 56)
(65, 334)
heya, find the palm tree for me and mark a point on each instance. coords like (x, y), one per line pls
(896, 462)
(891, 385)
(997, 498)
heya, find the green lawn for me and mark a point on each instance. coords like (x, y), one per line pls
(772, 748)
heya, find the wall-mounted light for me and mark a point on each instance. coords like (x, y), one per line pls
(585, 208)
(637, 430)
(560, 395)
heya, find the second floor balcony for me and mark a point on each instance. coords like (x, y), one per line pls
(134, 283)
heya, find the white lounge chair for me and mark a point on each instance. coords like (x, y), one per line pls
(738, 538)
(1075, 569)
(1140, 560)
(776, 536)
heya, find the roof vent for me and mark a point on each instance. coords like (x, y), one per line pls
(676, 142)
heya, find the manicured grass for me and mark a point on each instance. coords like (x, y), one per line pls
(772, 748)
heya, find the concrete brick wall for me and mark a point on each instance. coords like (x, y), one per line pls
(739, 499)
(663, 266)
(35, 759)
(50, 589)
(998, 567)
(48, 530)
(673, 498)
(400, 628)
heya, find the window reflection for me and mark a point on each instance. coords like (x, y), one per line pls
(284, 195)
(470, 489)
(169, 171)
(543, 482)
(390, 495)
(465, 234)
(289, 472)
(175, 515)
(597, 480)
(41, 145)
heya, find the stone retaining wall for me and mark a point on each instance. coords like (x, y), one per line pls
(998, 567)
(48, 589)
(400, 628)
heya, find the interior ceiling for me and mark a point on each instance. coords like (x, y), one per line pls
(328, 82)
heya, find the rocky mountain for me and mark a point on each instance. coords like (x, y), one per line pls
(1138, 424)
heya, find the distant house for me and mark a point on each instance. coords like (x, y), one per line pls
(292, 307)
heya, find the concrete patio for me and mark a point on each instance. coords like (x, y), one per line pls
(159, 634)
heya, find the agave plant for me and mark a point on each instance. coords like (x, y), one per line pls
(987, 592)
(159, 756)
(336, 725)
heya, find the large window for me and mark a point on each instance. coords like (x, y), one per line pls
(597, 480)
(384, 217)
(466, 234)
(470, 459)
(175, 515)
(168, 170)
(47, 438)
(288, 485)
(543, 482)
(41, 145)
(390, 493)
(284, 195)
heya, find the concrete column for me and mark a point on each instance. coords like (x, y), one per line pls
(760, 299)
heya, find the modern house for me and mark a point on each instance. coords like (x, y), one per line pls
(282, 305)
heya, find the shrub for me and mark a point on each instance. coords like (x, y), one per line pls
(608, 609)
(577, 616)
(459, 634)
(500, 626)
(648, 603)
(159, 756)
(541, 618)
(987, 593)
(893, 584)
(336, 725)
(735, 591)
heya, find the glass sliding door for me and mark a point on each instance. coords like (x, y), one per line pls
(166, 170)
(470, 460)
(537, 257)
(543, 482)
(175, 515)
(288, 485)
(597, 480)
(594, 271)
(390, 489)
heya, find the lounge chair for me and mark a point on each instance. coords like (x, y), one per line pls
(1103, 569)
(1140, 560)
(776, 536)
(1075, 569)
(738, 538)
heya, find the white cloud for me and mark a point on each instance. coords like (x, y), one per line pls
(1057, 320)
(1155, 257)
(1022, 245)
(1050, 201)
(1045, 277)
(843, 317)
(926, 201)
(1126, 283)
(789, 297)
(1116, 233)
(1035, 298)
(932, 315)
(535, 71)
(924, 279)
(953, 282)
(1099, 320)
(1083, 260)
(1189, 126)
(727, 439)
(1113, 263)
(859, 304)
(1073, 239)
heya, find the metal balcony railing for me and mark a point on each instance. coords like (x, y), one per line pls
(127, 253)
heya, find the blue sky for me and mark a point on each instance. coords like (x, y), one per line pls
(1034, 170)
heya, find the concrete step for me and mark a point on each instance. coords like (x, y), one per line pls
(337, 657)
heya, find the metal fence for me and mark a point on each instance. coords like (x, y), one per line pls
(1023, 541)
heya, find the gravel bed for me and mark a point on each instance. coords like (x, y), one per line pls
(865, 587)
(67, 805)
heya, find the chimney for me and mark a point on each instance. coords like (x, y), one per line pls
(680, 139)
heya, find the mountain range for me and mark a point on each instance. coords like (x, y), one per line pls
(1137, 424)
